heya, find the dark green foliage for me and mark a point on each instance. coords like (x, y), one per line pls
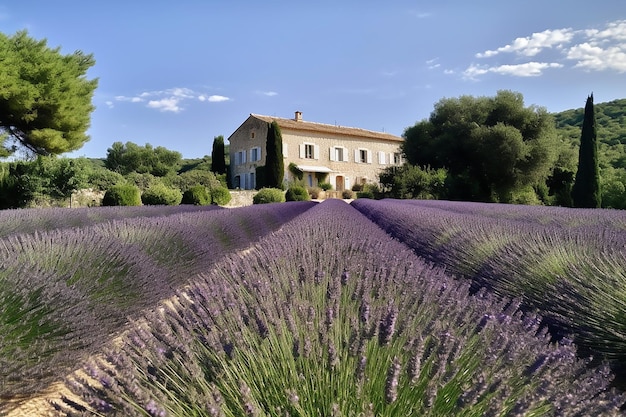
(297, 172)
(122, 195)
(274, 164)
(260, 177)
(160, 195)
(218, 157)
(130, 157)
(269, 195)
(347, 194)
(364, 194)
(220, 196)
(45, 99)
(297, 193)
(325, 186)
(410, 181)
(462, 135)
(196, 195)
(586, 189)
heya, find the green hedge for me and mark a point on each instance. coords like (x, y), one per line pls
(160, 195)
(220, 196)
(196, 195)
(297, 193)
(122, 195)
(269, 195)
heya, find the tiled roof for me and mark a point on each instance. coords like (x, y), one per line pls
(300, 125)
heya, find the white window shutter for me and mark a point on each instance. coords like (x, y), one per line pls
(381, 157)
(316, 152)
(302, 155)
(332, 154)
(258, 155)
(285, 150)
(356, 156)
(391, 158)
(252, 155)
(347, 183)
(345, 155)
(369, 156)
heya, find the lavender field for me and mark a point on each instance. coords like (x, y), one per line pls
(292, 309)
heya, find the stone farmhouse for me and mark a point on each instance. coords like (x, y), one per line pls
(341, 156)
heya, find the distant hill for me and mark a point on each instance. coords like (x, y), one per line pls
(610, 119)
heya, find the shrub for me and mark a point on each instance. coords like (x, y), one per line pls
(160, 195)
(122, 195)
(297, 193)
(196, 195)
(357, 187)
(268, 195)
(315, 192)
(347, 194)
(325, 186)
(364, 194)
(220, 196)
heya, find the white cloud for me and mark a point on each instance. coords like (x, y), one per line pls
(533, 44)
(527, 69)
(595, 58)
(420, 15)
(599, 49)
(217, 99)
(170, 100)
(166, 104)
(109, 104)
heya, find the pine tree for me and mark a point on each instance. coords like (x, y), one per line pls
(274, 165)
(218, 157)
(586, 189)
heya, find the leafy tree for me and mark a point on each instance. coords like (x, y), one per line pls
(130, 157)
(409, 181)
(274, 164)
(492, 147)
(586, 190)
(218, 157)
(45, 97)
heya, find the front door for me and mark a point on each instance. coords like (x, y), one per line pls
(340, 183)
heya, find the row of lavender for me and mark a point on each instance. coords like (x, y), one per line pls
(569, 264)
(331, 317)
(65, 292)
(21, 221)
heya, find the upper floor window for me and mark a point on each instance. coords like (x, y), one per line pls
(397, 158)
(309, 151)
(339, 153)
(382, 158)
(252, 134)
(255, 154)
(240, 157)
(363, 156)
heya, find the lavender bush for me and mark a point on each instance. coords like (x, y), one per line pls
(64, 293)
(329, 316)
(21, 221)
(567, 263)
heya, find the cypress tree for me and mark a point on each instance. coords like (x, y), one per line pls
(218, 157)
(586, 189)
(274, 164)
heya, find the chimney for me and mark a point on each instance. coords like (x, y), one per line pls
(298, 117)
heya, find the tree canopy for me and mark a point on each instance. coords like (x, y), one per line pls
(492, 147)
(45, 97)
(130, 157)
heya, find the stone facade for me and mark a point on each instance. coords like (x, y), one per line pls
(341, 156)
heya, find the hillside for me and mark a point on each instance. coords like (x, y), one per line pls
(610, 119)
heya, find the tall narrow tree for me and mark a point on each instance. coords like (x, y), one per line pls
(274, 164)
(218, 157)
(586, 189)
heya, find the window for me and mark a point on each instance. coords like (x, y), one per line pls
(397, 158)
(363, 156)
(382, 158)
(309, 151)
(252, 134)
(255, 154)
(339, 153)
(240, 158)
(252, 183)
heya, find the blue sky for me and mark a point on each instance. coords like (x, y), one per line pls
(177, 74)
